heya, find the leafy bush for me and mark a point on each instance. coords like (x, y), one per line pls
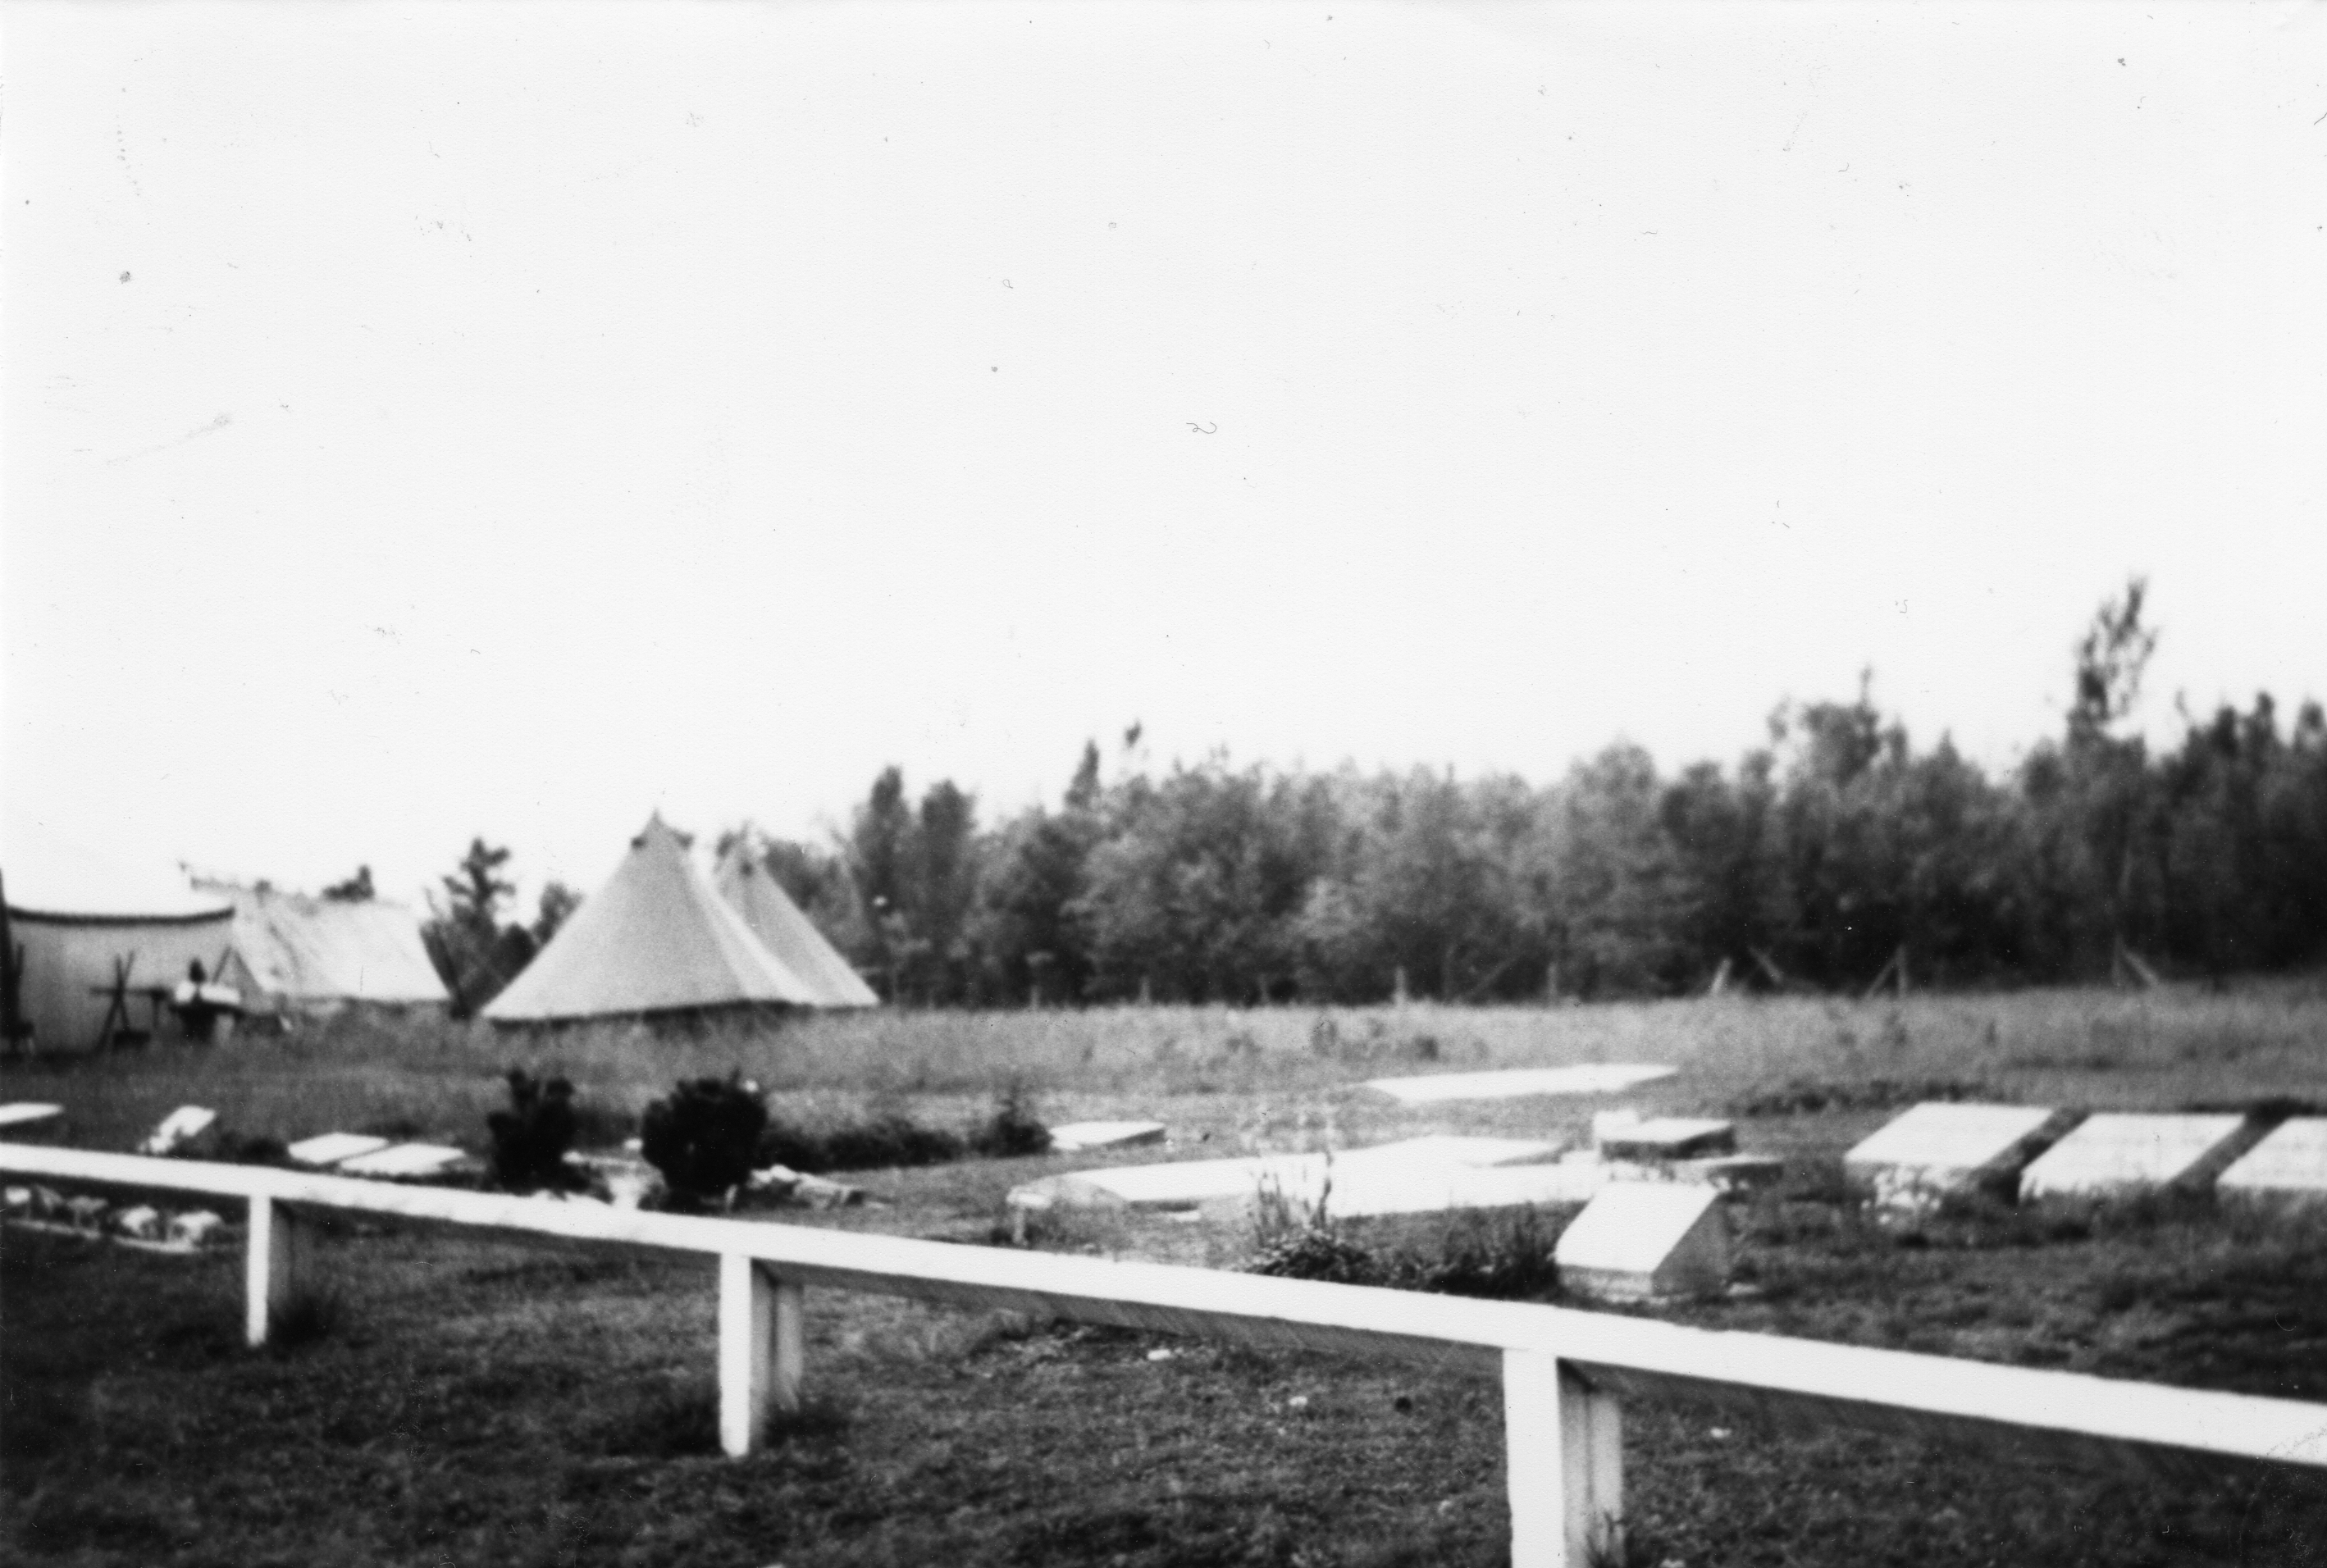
(233, 1148)
(1500, 1256)
(531, 1139)
(1013, 1130)
(1320, 1252)
(704, 1136)
(885, 1141)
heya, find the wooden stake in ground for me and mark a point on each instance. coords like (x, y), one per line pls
(1894, 969)
(2127, 969)
(13, 1033)
(1769, 967)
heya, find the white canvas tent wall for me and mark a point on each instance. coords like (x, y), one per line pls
(310, 954)
(656, 938)
(787, 933)
(76, 916)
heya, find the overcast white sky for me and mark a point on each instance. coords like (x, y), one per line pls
(431, 421)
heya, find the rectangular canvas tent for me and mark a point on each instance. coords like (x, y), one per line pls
(294, 954)
(79, 929)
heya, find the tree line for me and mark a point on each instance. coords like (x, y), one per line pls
(1814, 860)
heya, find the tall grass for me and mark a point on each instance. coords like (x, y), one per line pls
(2088, 1048)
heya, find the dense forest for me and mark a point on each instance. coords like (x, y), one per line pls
(1814, 860)
(1818, 859)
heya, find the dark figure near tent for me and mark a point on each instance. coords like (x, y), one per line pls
(531, 1137)
(200, 1007)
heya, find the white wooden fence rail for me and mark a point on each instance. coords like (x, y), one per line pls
(1565, 1373)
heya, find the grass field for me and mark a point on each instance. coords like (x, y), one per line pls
(463, 1401)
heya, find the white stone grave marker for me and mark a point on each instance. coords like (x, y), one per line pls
(330, 1148)
(1193, 1184)
(142, 1223)
(2113, 1155)
(1077, 1136)
(402, 1160)
(29, 1119)
(2291, 1162)
(192, 1229)
(1668, 1138)
(1593, 1078)
(185, 1122)
(1644, 1241)
(1939, 1148)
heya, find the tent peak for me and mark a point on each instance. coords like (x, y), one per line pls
(658, 831)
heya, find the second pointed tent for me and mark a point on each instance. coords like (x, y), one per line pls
(657, 940)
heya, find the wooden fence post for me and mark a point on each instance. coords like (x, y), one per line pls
(279, 1245)
(1567, 1464)
(762, 1350)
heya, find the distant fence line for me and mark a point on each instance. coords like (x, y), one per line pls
(1564, 1372)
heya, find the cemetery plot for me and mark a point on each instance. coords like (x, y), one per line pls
(1595, 1079)
(1646, 1241)
(2291, 1162)
(2113, 1155)
(1939, 1148)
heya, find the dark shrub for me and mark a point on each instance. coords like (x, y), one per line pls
(1502, 1257)
(531, 1137)
(1319, 1252)
(888, 1140)
(1013, 1129)
(794, 1147)
(704, 1136)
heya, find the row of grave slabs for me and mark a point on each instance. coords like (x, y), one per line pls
(140, 1225)
(1650, 1226)
(1649, 1189)
(1937, 1151)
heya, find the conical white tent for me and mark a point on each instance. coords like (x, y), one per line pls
(787, 932)
(658, 938)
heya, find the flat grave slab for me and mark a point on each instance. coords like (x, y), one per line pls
(2111, 1155)
(1194, 1184)
(330, 1148)
(1668, 1138)
(1724, 1174)
(404, 1159)
(1452, 1149)
(1593, 1078)
(179, 1126)
(1359, 1194)
(1076, 1137)
(29, 1119)
(2290, 1163)
(1937, 1148)
(1646, 1241)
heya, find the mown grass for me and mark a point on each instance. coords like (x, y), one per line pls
(467, 1401)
